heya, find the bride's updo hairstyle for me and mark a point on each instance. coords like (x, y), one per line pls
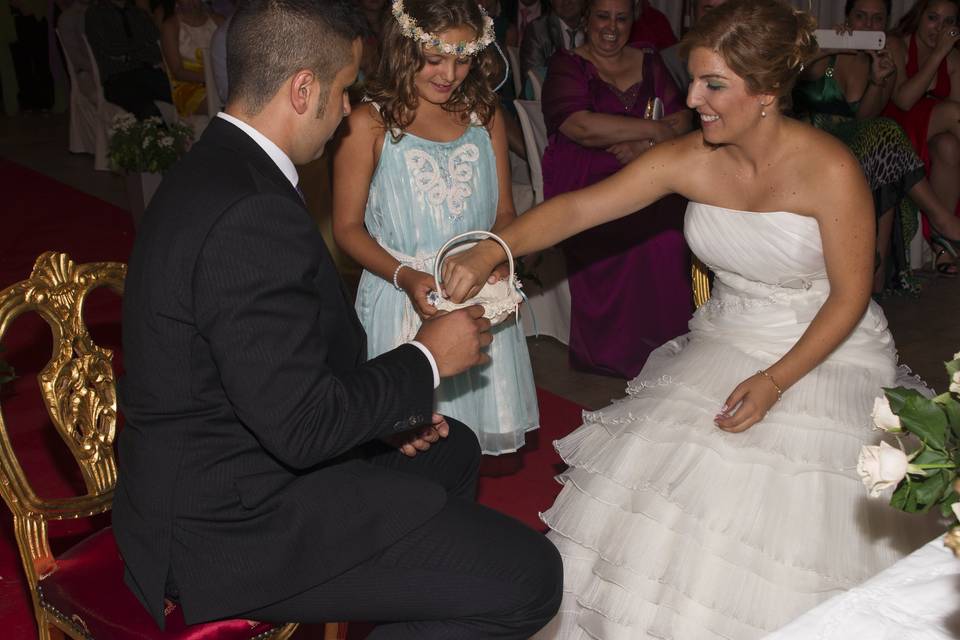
(765, 42)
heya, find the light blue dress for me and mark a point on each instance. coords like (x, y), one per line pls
(422, 194)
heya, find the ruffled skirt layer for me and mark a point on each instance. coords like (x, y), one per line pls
(672, 528)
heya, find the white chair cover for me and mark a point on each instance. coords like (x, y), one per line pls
(550, 303)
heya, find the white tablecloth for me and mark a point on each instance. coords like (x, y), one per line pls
(918, 598)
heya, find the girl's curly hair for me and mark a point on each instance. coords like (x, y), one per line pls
(392, 86)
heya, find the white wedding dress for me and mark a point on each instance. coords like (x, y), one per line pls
(672, 528)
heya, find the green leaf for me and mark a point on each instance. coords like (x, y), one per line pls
(925, 419)
(903, 497)
(930, 490)
(951, 408)
(952, 367)
(898, 397)
(946, 509)
(930, 455)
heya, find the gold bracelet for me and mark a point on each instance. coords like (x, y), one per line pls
(773, 382)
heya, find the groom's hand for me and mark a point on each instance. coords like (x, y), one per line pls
(410, 443)
(456, 339)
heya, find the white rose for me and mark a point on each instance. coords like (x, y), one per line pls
(881, 468)
(955, 383)
(884, 417)
(956, 510)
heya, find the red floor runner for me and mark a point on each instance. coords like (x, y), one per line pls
(40, 214)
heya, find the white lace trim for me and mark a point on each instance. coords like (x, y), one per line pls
(430, 182)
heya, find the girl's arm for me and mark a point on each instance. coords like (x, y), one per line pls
(881, 78)
(953, 61)
(170, 44)
(601, 130)
(353, 164)
(506, 212)
(844, 212)
(908, 90)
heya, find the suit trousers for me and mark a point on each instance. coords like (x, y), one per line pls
(468, 572)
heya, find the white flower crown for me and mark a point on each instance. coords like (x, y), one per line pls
(410, 29)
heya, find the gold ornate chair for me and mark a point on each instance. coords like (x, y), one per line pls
(80, 592)
(701, 282)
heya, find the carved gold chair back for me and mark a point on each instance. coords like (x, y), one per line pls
(701, 282)
(79, 393)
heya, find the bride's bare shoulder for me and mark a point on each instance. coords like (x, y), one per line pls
(816, 153)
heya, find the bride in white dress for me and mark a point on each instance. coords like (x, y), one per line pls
(705, 505)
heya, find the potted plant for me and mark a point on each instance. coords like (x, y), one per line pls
(143, 150)
(926, 476)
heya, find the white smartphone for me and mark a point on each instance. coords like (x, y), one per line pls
(863, 40)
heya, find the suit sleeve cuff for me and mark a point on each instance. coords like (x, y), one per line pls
(431, 360)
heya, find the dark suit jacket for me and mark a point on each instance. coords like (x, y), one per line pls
(541, 40)
(246, 388)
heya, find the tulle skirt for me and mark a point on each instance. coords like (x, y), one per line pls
(672, 528)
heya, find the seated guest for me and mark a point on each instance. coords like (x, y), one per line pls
(926, 101)
(504, 33)
(218, 59)
(267, 470)
(651, 27)
(628, 279)
(671, 55)
(843, 92)
(124, 42)
(70, 28)
(520, 14)
(184, 33)
(559, 29)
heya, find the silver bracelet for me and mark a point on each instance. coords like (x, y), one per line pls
(396, 272)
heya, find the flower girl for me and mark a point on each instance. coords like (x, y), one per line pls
(425, 159)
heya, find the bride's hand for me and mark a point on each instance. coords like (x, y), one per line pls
(465, 273)
(755, 395)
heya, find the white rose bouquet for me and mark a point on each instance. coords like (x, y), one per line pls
(925, 477)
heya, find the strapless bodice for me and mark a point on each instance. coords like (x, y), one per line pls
(779, 248)
(770, 282)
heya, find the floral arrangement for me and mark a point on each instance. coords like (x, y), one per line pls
(927, 476)
(148, 145)
(410, 29)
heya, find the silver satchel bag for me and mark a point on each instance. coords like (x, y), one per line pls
(498, 300)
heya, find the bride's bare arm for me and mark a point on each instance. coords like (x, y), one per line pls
(844, 211)
(640, 183)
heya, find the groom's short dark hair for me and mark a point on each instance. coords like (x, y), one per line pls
(270, 40)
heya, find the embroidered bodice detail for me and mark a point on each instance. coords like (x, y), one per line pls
(443, 184)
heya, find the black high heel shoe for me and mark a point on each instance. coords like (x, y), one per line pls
(943, 246)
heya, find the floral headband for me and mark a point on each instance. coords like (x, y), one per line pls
(410, 29)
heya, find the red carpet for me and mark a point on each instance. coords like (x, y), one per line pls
(40, 215)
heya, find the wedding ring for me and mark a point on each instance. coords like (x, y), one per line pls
(953, 33)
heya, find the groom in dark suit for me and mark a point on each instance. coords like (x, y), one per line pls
(256, 478)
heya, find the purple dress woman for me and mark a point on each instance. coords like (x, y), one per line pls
(629, 283)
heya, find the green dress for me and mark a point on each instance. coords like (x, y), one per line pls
(890, 164)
